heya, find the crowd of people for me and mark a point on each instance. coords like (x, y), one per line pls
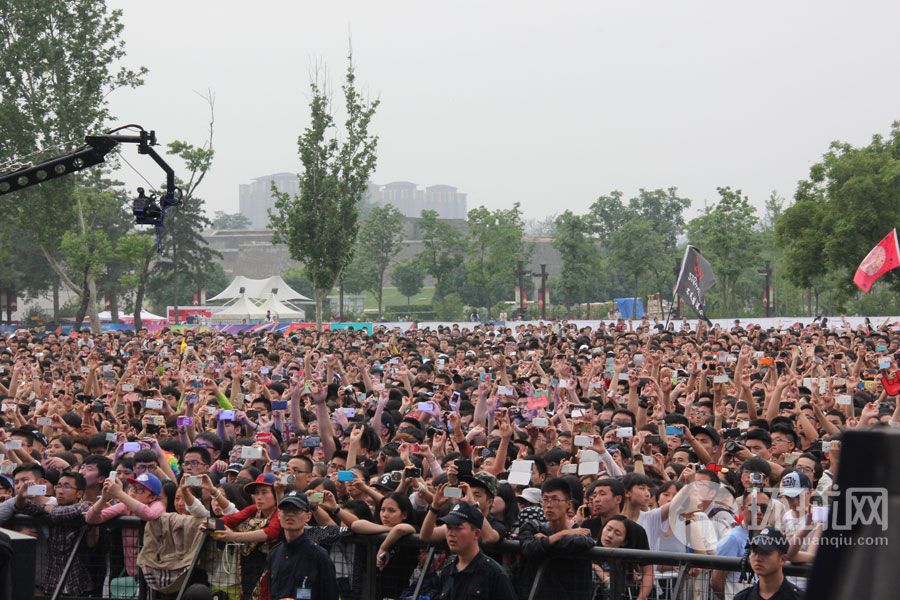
(280, 447)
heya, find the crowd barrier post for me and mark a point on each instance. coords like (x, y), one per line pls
(424, 573)
(190, 571)
(65, 574)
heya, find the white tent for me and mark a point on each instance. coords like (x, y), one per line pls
(282, 311)
(259, 288)
(241, 311)
(282, 289)
(234, 289)
(129, 317)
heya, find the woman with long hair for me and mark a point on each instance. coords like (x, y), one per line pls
(621, 532)
(395, 516)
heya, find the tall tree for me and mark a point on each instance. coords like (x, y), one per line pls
(380, 240)
(495, 246)
(56, 73)
(186, 251)
(636, 248)
(319, 224)
(725, 235)
(848, 204)
(573, 239)
(223, 220)
(408, 277)
(442, 253)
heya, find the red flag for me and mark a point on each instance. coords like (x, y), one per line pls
(881, 259)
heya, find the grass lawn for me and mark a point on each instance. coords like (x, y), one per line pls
(391, 297)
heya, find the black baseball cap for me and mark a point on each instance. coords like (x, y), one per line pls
(295, 499)
(769, 539)
(463, 512)
(706, 430)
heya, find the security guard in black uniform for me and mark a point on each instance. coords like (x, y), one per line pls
(474, 574)
(767, 557)
(298, 568)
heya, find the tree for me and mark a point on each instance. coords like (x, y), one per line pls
(381, 235)
(636, 248)
(223, 220)
(724, 233)
(319, 224)
(408, 277)
(296, 278)
(845, 207)
(573, 239)
(186, 250)
(442, 253)
(56, 73)
(495, 247)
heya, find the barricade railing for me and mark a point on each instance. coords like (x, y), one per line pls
(411, 573)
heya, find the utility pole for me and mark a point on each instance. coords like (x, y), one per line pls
(341, 300)
(676, 300)
(520, 273)
(543, 296)
(766, 294)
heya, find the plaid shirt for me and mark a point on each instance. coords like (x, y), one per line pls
(66, 521)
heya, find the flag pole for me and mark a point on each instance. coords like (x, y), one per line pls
(687, 249)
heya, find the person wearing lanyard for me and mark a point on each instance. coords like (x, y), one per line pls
(474, 574)
(298, 569)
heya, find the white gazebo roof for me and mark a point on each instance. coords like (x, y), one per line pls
(259, 288)
(241, 309)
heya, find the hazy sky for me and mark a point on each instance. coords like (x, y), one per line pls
(546, 103)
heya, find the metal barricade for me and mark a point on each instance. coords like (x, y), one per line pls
(411, 572)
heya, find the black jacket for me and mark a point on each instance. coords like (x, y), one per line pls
(567, 574)
(292, 563)
(482, 578)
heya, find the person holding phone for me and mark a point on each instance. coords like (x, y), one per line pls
(141, 500)
(257, 527)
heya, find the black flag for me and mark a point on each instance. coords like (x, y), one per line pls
(695, 279)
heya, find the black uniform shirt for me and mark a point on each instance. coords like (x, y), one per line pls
(787, 591)
(301, 560)
(482, 578)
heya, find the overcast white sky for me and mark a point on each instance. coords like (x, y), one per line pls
(546, 103)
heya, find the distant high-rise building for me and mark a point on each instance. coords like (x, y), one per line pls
(256, 198)
(445, 200)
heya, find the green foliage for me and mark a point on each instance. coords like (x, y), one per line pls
(223, 220)
(495, 246)
(443, 251)
(188, 263)
(162, 291)
(848, 204)
(408, 277)
(636, 249)
(57, 71)
(451, 308)
(573, 239)
(319, 224)
(380, 240)
(724, 234)
(296, 278)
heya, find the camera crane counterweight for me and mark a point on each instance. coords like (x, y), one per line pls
(147, 210)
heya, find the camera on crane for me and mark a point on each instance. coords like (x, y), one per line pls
(146, 209)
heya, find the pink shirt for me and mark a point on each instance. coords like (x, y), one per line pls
(147, 512)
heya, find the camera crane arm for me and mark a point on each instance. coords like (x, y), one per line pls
(145, 208)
